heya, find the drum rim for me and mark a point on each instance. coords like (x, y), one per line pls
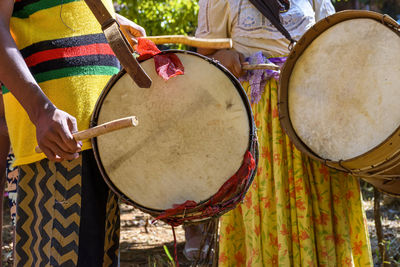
(371, 180)
(373, 157)
(252, 146)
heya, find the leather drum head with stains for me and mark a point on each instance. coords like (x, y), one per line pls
(191, 138)
(344, 91)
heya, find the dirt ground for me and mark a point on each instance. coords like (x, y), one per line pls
(390, 218)
(142, 242)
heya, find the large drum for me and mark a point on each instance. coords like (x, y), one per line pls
(195, 132)
(340, 93)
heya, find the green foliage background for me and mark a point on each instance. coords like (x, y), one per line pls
(161, 17)
(170, 17)
(179, 17)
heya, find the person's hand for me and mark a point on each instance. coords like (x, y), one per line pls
(130, 29)
(54, 135)
(231, 59)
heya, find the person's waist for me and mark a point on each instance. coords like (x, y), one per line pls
(34, 157)
(269, 48)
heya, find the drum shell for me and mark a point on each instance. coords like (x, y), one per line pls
(379, 162)
(389, 187)
(252, 144)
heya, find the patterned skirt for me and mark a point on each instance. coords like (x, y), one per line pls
(297, 211)
(12, 174)
(66, 215)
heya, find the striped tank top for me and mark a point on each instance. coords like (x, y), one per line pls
(67, 53)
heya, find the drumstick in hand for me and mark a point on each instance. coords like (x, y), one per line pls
(102, 129)
(268, 66)
(217, 43)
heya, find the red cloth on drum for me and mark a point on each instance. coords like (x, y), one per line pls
(167, 66)
(146, 49)
(227, 197)
(231, 186)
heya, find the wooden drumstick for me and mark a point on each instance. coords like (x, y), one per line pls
(217, 43)
(102, 129)
(269, 66)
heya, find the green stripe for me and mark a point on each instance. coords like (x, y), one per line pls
(68, 72)
(34, 7)
(4, 89)
(75, 71)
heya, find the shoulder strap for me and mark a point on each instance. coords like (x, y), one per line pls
(118, 43)
(270, 9)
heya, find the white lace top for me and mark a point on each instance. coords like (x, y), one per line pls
(250, 30)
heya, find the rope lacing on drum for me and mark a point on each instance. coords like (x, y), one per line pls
(394, 25)
(292, 44)
(343, 167)
(379, 175)
(370, 173)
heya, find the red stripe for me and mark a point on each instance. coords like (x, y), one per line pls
(85, 50)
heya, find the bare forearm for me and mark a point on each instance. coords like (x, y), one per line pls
(4, 150)
(3, 128)
(230, 58)
(15, 74)
(54, 127)
(206, 51)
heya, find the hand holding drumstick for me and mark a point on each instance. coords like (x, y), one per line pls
(231, 59)
(102, 129)
(234, 61)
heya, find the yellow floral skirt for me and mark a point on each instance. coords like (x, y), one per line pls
(297, 211)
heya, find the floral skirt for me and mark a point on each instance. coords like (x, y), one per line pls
(297, 212)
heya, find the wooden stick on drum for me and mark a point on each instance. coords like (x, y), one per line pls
(102, 129)
(218, 43)
(269, 66)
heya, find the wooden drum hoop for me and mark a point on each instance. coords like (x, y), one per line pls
(195, 212)
(377, 162)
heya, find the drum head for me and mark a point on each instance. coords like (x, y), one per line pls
(193, 132)
(343, 91)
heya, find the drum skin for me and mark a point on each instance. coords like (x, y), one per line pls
(339, 93)
(193, 132)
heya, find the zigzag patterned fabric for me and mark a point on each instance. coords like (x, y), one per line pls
(68, 55)
(49, 215)
(111, 246)
(48, 207)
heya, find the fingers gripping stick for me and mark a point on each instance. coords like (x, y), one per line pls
(102, 129)
(118, 43)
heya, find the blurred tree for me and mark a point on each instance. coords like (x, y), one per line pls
(390, 7)
(165, 17)
(161, 17)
